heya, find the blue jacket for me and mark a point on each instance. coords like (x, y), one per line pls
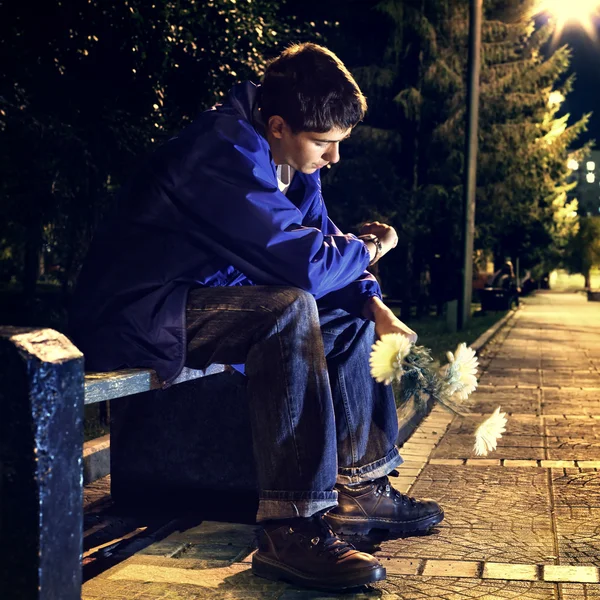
(205, 210)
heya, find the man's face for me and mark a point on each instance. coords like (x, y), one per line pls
(306, 151)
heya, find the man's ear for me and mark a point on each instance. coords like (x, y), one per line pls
(276, 126)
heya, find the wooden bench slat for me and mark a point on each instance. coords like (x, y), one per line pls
(116, 384)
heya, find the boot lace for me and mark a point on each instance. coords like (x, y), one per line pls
(385, 488)
(328, 542)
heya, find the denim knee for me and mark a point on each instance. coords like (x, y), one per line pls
(293, 301)
(293, 296)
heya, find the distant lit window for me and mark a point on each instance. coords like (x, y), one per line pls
(573, 164)
(591, 177)
(591, 165)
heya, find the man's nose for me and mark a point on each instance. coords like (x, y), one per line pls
(333, 154)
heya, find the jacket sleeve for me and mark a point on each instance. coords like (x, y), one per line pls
(225, 188)
(353, 296)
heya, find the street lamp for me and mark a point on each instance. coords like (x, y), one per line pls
(571, 12)
(470, 170)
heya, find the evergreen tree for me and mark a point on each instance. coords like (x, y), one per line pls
(582, 251)
(522, 206)
(407, 160)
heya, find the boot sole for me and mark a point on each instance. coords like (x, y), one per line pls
(277, 571)
(357, 526)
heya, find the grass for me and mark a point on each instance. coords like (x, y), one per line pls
(433, 332)
(93, 425)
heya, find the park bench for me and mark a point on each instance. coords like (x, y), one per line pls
(43, 390)
(498, 298)
(188, 446)
(593, 295)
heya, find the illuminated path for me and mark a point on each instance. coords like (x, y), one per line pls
(523, 523)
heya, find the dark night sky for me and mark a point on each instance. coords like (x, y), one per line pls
(586, 66)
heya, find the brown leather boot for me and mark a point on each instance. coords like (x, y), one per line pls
(377, 505)
(306, 552)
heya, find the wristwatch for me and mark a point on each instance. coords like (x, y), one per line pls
(370, 237)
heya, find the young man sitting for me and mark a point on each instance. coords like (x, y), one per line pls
(222, 252)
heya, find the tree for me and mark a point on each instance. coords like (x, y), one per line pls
(583, 249)
(407, 161)
(96, 86)
(523, 210)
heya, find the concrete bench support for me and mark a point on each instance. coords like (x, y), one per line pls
(186, 447)
(41, 442)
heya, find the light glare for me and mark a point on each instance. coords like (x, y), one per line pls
(556, 98)
(573, 164)
(591, 177)
(571, 12)
(591, 165)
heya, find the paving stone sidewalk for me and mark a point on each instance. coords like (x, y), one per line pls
(521, 523)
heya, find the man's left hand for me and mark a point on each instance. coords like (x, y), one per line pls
(385, 320)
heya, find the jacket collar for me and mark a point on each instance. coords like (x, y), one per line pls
(243, 98)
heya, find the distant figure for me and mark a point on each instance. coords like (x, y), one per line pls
(505, 279)
(527, 284)
(222, 251)
(424, 291)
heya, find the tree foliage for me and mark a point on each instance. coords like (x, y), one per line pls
(583, 248)
(96, 85)
(99, 84)
(407, 160)
(523, 210)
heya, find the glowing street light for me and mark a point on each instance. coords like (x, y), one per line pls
(571, 12)
(591, 165)
(556, 98)
(573, 164)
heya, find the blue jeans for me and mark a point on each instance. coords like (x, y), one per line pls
(317, 415)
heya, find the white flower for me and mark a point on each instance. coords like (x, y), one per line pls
(489, 432)
(461, 373)
(387, 356)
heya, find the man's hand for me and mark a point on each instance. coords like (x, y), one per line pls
(386, 234)
(385, 320)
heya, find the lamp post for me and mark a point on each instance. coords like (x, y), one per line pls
(470, 170)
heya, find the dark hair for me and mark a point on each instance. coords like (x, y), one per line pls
(311, 89)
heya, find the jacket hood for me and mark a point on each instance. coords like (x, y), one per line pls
(243, 98)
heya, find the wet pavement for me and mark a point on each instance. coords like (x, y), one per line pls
(521, 523)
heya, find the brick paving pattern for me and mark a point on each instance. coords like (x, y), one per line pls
(522, 523)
